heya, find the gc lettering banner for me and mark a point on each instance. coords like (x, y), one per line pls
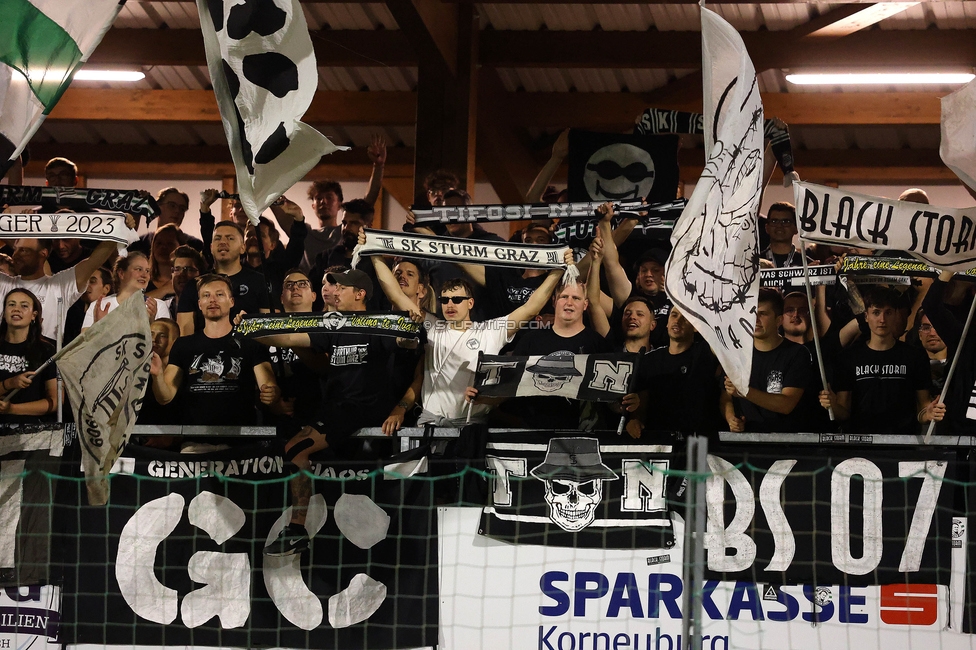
(942, 237)
(784, 518)
(179, 562)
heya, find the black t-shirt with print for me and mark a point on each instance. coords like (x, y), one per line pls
(218, 386)
(508, 290)
(682, 389)
(883, 386)
(250, 293)
(359, 367)
(785, 366)
(298, 382)
(553, 412)
(18, 358)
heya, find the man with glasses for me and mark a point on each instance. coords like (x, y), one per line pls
(781, 228)
(188, 264)
(61, 172)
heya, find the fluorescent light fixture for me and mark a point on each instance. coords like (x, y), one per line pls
(879, 78)
(109, 75)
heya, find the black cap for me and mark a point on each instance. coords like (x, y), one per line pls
(352, 278)
(658, 255)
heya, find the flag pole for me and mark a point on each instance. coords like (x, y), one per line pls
(36, 371)
(952, 368)
(813, 320)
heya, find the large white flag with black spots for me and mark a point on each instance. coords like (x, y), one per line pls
(713, 272)
(263, 72)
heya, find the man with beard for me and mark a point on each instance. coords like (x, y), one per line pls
(935, 348)
(59, 291)
(637, 320)
(780, 375)
(250, 290)
(215, 374)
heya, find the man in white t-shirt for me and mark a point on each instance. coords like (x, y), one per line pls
(451, 355)
(61, 289)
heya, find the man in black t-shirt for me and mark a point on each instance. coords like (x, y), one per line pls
(568, 335)
(215, 374)
(681, 381)
(882, 385)
(250, 288)
(353, 397)
(780, 373)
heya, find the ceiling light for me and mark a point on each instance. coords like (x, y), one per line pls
(109, 75)
(880, 78)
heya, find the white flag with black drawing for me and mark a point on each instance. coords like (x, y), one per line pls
(263, 72)
(106, 371)
(713, 272)
(958, 148)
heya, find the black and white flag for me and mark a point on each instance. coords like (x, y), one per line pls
(263, 71)
(958, 146)
(106, 371)
(522, 211)
(622, 167)
(590, 377)
(713, 272)
(578, 492)
(942, 237)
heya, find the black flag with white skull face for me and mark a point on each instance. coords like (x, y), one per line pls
(617, 167)
(578, 492)
(262, 67)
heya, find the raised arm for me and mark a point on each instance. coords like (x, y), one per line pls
(559, 152)
(598, 317)
(391, 288)
(98, 257)
(166, 379)
(286, 213)
(377, 155)
(268, 389)
(476, 272)
(620, 286)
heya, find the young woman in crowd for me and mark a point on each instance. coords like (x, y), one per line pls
(22, 351)
(131, 274)
(165, 241)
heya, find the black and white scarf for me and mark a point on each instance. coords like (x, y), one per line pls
(81, 199)
(469, 251)
(522, 212)
(100, 226)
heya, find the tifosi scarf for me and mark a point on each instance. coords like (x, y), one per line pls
(522, 212)
(469, 251)
(81, 199)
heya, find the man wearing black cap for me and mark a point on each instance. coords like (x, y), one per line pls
(353, 396)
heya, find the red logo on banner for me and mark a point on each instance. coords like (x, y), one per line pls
(909, 604)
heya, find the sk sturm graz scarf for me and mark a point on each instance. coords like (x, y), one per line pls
(450, 249)
(80, 199)
(660, 120)
(382, 324)
(522, 212)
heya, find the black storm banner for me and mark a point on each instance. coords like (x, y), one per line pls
(615, 167)
(176, 558)
(826, 517)
(578, 491)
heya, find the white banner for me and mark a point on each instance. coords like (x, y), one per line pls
(500, 595)
(101, 226)
(29, 617)
(713, 272)
(942, 237)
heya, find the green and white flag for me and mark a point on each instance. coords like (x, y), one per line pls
(42, 44)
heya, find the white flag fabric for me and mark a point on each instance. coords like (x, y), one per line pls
(263, 71)
(958, 148)
(712, 275)
(106, 371)
(942, 237)
(42, 45)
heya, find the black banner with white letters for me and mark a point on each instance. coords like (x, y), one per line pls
(578, 491)
(830, 516)
(176, 557)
